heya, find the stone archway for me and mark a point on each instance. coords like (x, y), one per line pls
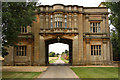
(55, 40)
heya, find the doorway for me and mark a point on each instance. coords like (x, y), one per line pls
(59, 56)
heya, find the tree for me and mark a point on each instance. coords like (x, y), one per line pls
(115, 21)
(15, 15)
(58, 54)
(114, 40)
(52, 54)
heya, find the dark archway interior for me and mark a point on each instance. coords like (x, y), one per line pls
(65, 41)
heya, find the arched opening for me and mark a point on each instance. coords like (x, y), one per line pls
(63, 54)
(58, 53)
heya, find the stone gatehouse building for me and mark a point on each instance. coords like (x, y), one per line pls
(84, 29)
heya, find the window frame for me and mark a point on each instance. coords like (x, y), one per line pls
(95, 50)
(95, 26)
(21, 50)
(23, 29)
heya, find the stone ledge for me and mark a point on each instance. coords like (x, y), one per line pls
(96, 37)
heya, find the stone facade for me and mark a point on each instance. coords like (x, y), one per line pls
(85, 29)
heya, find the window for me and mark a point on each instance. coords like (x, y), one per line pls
(95, 49)
(51, 22)
(58, 20)
(95, 27)
(21, 50)
(75, 20)
(65, 21)
(23, 29)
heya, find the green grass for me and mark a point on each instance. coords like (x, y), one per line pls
(66, 61)
(96, 72)
(53, 60)
(20, 74)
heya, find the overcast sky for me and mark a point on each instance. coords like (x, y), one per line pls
(59, 47)
(85, 3)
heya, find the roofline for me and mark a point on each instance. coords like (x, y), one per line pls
(58, 4)
(100, 4)
(95, 7)
(73, 6)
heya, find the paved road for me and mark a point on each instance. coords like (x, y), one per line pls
(59, 60)
(59, 72)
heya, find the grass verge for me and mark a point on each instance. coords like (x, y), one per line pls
(96, 72)
(53, 60)
(20, 74)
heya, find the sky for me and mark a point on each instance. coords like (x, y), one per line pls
(59, 47)
(85, 3)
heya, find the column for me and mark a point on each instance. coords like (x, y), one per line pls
(29, 49)
(36, 26)
(88, 51)
(53, 18)
(44, 21)
(80, 38)
(103, 26)
(75, 51)
(108, 51)
(41, 20)
(47, 19)
(63, 21)
(104, 51)
(42, 51)
(87, 25)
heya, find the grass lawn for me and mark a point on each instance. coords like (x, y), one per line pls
(20, 74)
(96, 72)
(66, 61)
(53, 60)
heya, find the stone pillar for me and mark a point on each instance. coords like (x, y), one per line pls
(88, 51)
(87, 27)
(108, 51)
(104, 51)
(75, 51)
(80, 37)
(36, 26)
(69, 20)
(29, 49)
(72, 21)
(42, 51)
(63, 21)
(111, 52)
(44, 21)
(41, 20)
(9, 59)
(47, 20)
(104, 27)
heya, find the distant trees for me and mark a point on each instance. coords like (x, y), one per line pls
(52, 54)
(65, 55)
(115, 44)
(58, 54)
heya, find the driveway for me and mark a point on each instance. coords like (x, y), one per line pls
(59, 61)
(58, 72)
